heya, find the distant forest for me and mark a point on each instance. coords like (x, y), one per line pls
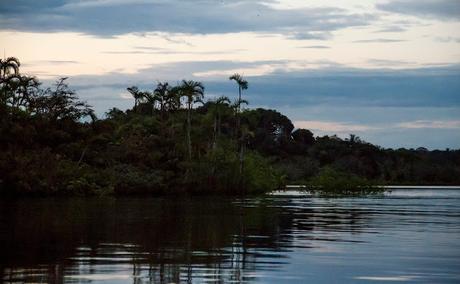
(173, 141)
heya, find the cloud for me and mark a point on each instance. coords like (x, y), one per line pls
(437, 9)
(111, 17)
(379, 40)
(273, 84)
(392, 108)
(317, 35)
(335, 127)
(49, 62)
(159, 50)
(409, 134)
(389, 63)
(388, 278)
(430, 124)
(448, 39)
(392, 29)
(315, 46)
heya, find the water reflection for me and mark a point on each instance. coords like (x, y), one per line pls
(275, 239)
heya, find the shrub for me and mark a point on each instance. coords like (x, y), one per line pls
(332, 182)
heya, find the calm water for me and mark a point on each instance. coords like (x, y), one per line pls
(406, 236)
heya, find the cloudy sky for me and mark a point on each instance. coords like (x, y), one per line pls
(388, 71)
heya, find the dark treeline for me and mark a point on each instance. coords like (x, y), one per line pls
(175, 141)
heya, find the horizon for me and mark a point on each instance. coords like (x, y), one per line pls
(387, 71)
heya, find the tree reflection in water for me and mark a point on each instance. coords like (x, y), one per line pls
(163, 240)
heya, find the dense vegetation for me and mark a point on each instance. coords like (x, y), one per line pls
(173, 141)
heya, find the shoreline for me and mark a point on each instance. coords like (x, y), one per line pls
(296, 186)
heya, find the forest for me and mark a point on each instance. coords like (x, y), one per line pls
(175, 141)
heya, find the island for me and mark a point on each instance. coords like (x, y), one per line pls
(175, 141)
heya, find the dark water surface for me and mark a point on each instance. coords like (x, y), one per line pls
(406, 236)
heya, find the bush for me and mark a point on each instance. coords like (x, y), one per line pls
(332, 182)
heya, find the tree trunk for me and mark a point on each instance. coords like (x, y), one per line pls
(218, 125)
(237, 131)
(238, 114)
(241, 159)
(189, 126)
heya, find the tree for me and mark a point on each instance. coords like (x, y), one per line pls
(9, 67)
(61, 103)
(16, 90)
(301, 140)
(150, 98)
(114, 113)
(246, 134)
(24, 89)
(242, 85)
(137, 95)
(272, 130)
(173, 99)
(161, 95)
(193, 91)
(216, 109)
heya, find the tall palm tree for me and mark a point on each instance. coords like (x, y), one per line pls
(216, 107)
(220, 103)
(193, 91)
(242, 85)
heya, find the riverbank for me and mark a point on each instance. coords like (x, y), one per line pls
(173, 141)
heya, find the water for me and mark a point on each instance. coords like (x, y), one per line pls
(405, 236)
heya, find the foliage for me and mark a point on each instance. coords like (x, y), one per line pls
(330, 182)
(171, 142)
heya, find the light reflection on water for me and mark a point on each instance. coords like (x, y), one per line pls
(407, 235)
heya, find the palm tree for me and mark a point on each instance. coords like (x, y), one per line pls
(173, 99)
(9, 67)
(242, 85)
(216, 109)
(150, 99)
(193, 91)
(161, 94)
(9, 70)
(220, 103)
(237, 105)
(137, 95)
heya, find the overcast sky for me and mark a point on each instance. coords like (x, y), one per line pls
(388, 71)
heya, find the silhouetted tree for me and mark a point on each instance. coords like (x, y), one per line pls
(137, 95)
(9, 67)
(242, 85)
(193, 91)
(62, 103)
(217, 107)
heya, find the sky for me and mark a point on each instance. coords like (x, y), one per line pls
(387, 70)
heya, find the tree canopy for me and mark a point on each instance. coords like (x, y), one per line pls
(173, 141)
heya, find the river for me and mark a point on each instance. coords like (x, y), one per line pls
(408, 235)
